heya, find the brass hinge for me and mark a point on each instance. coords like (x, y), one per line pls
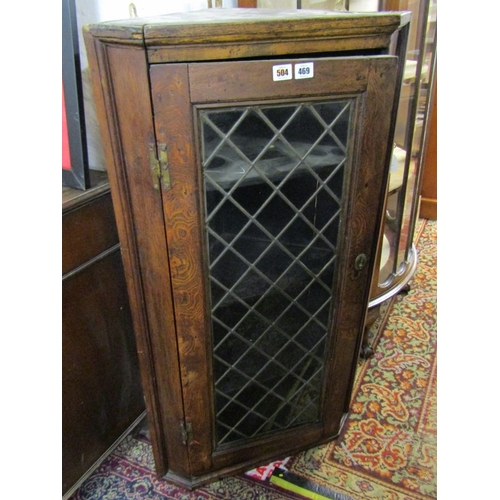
(159, 166)
(186, 432)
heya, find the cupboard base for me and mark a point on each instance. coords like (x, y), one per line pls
(192, 483)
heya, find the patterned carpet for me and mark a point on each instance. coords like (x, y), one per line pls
(387, 449)
(388, 445)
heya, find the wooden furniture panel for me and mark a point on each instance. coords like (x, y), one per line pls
(101, 387)
(88, 233)
(199, 390)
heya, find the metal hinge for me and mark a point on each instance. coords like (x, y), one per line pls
(159, 166)
(186, 432)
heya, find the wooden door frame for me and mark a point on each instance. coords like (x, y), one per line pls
(174, 122)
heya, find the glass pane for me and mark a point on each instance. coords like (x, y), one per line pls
(397, 249)
(273, 186)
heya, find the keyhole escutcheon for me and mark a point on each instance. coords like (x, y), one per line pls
(360, 262)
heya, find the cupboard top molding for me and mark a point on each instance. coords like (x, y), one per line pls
(201, 35)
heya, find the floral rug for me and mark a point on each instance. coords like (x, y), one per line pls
(387, 449)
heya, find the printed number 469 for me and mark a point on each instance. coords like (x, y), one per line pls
(304, 70)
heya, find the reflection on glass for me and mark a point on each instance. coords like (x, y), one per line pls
(273, 186)
(397, 248)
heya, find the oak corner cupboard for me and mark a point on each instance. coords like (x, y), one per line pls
(248, 154)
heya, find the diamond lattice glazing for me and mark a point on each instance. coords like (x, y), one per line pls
(273, 182)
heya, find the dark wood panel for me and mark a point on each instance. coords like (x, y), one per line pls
(102, 394)
(88, 232)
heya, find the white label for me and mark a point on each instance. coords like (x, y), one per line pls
(304, 70)
(282, 72)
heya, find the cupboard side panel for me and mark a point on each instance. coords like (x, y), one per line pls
(364, 215)
(121, 90)
(184, 225)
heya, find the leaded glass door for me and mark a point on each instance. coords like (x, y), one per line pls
(273, 183)
(272, 219)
